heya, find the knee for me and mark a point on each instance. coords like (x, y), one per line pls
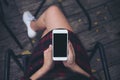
(53, 8)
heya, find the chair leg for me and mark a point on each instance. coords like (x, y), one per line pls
(104, 62)
(39, 8)
(99, 46)
(7, 66)
(86, 13)
(10, 54)
(2, 19)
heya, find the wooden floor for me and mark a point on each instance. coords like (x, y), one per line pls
(105, 16)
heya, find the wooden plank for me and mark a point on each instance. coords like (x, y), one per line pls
(25, 5)
(114, 8)
(11, 10)
(99, 15)
(113, 74)
(97, 34)
(3, 32)
(1, 70)
(89, 4)
(15, 72)
(10, 43)
(79, 24)
(33, 6)
(16, 25)
(113, 28)
(105, 29)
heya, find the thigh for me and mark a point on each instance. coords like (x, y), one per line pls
(54, 18)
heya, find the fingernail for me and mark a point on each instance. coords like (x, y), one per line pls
(50, 45)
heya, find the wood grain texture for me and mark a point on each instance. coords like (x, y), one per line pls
(105, 16)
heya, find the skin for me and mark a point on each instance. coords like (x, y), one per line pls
(51, 19)
(71, 64)
(49, 64)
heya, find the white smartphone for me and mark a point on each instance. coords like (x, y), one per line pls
(60, 44)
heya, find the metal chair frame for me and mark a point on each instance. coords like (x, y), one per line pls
(11, 55)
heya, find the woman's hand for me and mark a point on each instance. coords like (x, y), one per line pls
(48, 64)
(70, 63)
(48, 61)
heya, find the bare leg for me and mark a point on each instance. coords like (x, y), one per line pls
(52, 18)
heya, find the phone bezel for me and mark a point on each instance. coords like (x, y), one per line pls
(59, 31)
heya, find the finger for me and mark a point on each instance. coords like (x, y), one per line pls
(69, 53)
(48, 49)
(70, 48)
(48, 53)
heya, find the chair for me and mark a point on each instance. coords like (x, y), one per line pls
(22, 65)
